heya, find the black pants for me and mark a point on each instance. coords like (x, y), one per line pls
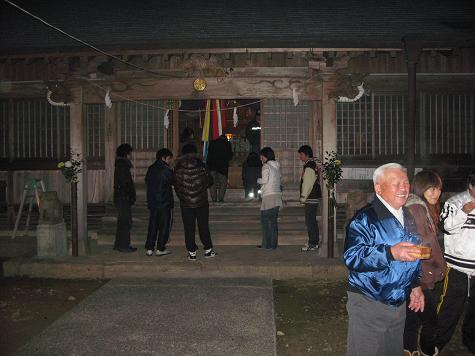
(270, 228)
(218, 189)
(190, 216)
(312, 224)
(159, 223)
(124, 222)
(451, 306)
(428, 320)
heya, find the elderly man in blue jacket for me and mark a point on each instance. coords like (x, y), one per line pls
(381, 255)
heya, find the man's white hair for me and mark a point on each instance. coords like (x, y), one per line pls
(379, 172)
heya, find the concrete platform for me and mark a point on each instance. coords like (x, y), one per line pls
(166, 317)
(285, 262)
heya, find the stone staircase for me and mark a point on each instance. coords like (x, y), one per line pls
(233, 222)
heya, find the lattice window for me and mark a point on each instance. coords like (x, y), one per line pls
(95, 131)
(35, 129)
(285, 128)
(389, 120)
(4, 134)
(142, 125)
(374, 127)
(285, 125)
(449, 124)
(354, 128)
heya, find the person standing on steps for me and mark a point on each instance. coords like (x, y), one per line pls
(271, 192)
(251, 172)
(310, 195)
(220, 153)
(191, 182)
(253, 130)
(159, 180)
(124, 198)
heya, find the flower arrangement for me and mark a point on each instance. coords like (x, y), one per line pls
(71, 168)
(332, 173)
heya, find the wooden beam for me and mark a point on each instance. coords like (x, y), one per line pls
(228, 88)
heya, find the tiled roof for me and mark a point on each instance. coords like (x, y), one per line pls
(173, 24)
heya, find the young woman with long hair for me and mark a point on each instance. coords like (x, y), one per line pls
(424, 205)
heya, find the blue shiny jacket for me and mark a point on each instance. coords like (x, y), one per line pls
(373, 271)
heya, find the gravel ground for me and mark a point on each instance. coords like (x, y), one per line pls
(311, 319)
(310, 315)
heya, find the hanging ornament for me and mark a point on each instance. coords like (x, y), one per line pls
(107, 99)
(295, 96)
(344, 99)
(235, 117)
(166, 121)
(199, 84)
(55, 103)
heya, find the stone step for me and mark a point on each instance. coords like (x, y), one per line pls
(219, 239)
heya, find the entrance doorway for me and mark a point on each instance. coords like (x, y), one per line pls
(247, 110)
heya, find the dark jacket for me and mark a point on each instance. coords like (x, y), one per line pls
(251, 171)
(253, 132)
(310, 190)
(220, 152)
(159, 180)
(191, 181)
(367, 254)
(433, 269)
(123, 183)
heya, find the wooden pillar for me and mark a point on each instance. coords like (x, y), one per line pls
(328, 144)
(11, 172)
(413, 48)
(78, 145)
(110, 143)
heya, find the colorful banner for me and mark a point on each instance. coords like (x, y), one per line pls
(205, 135)
(218, 117)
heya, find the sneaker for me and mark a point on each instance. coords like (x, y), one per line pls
(192, 256)
(310, 247)
(163, 253)
(210, 253)
(149, 252)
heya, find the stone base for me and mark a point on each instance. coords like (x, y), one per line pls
(51, 240)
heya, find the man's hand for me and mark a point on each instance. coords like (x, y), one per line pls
(417, 301)
(405, 251)
(467, 208)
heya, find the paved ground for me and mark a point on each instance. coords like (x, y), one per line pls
(167, 317)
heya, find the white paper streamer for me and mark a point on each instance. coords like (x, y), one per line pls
(235, 117)
(166, 120)
(295, 96)
(220, 124)
(107, 99)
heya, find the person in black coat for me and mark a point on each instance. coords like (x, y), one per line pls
(220, 152)
(191, 186)
(159, 180)
(253, 130)
(124, 198)
(251, 171)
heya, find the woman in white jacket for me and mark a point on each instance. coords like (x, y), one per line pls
(271, 198)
